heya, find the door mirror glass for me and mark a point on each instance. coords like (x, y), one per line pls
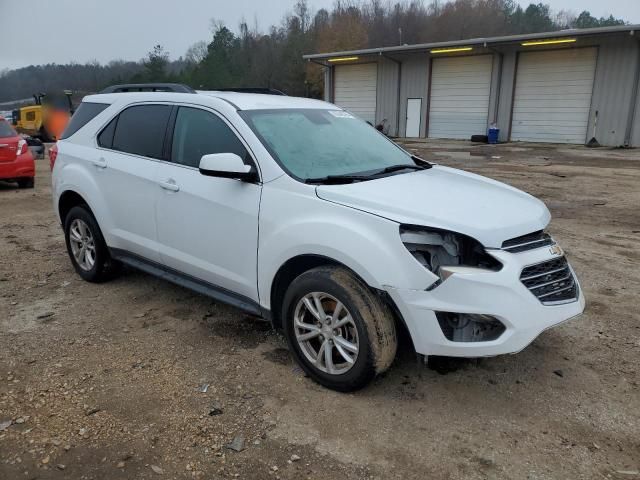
(226, 165)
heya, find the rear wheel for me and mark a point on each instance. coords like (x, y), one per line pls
(341, 333)
(86, 246)
(26, 182)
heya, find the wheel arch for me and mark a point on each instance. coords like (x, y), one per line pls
(69, 199)
(296, 266)
(289, 271)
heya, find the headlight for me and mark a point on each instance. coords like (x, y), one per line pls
(438, 249)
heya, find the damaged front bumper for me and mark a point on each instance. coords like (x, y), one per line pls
(483, 294)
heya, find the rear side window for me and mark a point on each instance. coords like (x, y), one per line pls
(197, 133)
(141, 129)
(86, 112)
(6, 130)
(105, 139)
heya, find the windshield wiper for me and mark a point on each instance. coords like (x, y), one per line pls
(420, 165)
(348, 178)
(338, 179)
(396, 168)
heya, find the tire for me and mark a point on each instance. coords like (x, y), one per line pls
(479, 138)
(371, 329)
(44, 136)
(103, 267)
(26, 182)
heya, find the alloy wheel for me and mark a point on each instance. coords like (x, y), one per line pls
(83, 244)
(326, 333)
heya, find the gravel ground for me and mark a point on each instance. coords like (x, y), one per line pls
(104, 381)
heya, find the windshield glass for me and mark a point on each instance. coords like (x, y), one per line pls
(312, 143)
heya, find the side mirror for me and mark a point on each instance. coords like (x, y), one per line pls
(226, 165)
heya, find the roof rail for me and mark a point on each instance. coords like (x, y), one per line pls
(262, 90)
(149, 87)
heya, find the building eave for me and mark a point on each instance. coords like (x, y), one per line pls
(489, 41)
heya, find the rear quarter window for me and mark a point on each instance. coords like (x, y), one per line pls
(86, 112)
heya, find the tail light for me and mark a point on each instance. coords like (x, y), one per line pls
(23, 147)
(53, 154)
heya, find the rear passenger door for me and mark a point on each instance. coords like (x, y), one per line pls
(132, 145)
(207, 226)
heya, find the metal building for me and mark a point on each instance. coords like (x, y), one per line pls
(561, 87)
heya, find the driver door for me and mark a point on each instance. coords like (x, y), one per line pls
(207, 226)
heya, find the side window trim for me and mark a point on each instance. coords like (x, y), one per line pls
(245, 144)
(168, 135)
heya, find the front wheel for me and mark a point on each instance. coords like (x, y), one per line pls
(341, 333)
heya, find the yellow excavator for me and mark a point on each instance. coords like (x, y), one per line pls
(47, 119)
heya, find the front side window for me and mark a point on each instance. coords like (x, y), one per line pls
(197, 133)
(140, 130)
(314, 143)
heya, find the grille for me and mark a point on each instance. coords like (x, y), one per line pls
(527, 242)
(550, 281)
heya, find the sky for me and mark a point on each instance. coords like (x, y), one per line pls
(62, 31)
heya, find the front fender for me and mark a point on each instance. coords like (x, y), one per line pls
(294, 222)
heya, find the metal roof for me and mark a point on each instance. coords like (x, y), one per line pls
(573, 32)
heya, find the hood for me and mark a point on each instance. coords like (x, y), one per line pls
(449, 199)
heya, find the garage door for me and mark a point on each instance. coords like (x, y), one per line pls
(355, 89)
(459, 104)
(553, 95)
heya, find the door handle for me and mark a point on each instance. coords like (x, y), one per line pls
(170, 185)
(100, 163)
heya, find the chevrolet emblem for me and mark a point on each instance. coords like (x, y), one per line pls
(555, 250)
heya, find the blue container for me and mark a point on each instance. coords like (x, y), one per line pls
(493, 134)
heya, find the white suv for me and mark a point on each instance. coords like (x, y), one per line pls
(297, 211)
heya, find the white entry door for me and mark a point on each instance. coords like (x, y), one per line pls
(414, 109)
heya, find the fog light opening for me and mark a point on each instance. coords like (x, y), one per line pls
(469, 327)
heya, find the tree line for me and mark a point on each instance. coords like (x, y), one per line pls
(248, 57)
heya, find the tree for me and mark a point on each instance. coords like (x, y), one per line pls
(196, 53)
(586, 20)
(155, 64)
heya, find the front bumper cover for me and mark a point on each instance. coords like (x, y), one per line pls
(499, 294)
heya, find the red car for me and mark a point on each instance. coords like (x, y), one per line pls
(16, 160)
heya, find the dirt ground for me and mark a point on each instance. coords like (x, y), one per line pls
(103, 381)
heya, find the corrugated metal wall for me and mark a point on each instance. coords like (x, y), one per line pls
(505, 98)
(387, 99)
(612, 89)
(413, 84)
(635, 128)
(328, 84)
(496, 80)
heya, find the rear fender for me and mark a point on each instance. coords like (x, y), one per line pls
(77, 178)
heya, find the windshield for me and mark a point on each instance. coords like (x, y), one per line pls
(313, 143)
